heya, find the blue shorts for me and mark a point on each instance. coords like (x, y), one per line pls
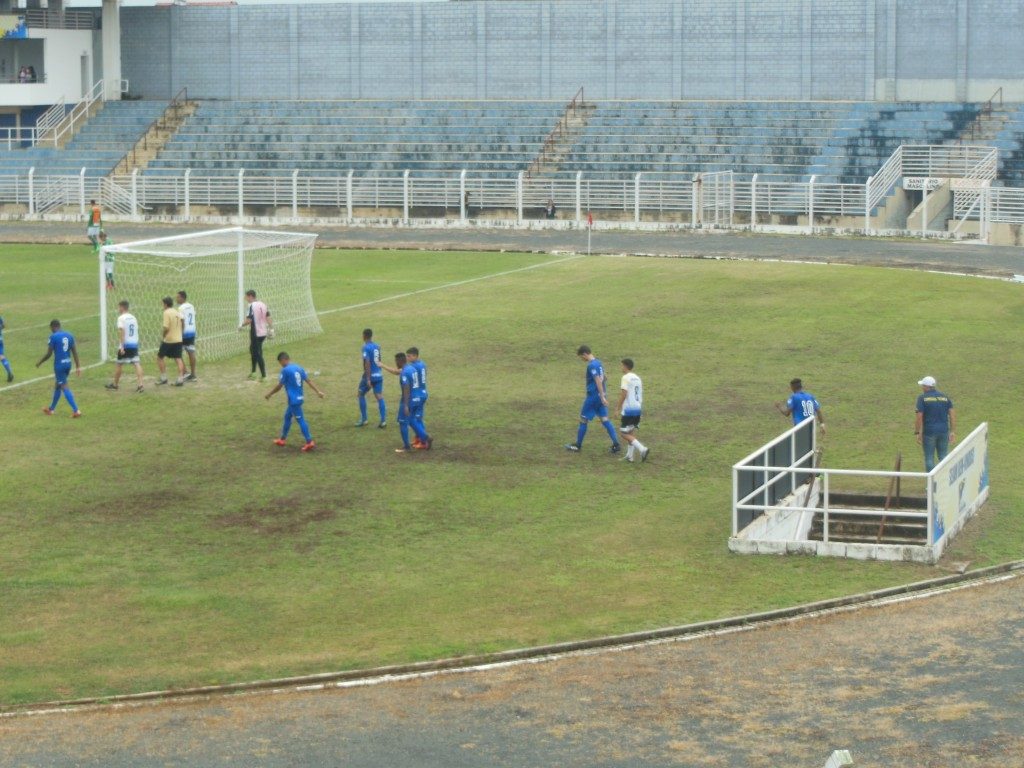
(377, 382)
(294, 409)
(415, 409)
(61, 373)
(592, 407)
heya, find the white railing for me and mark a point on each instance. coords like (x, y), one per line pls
(706, 200)
(16, 138)
(952, 490)
(953, 161)
(69, 122)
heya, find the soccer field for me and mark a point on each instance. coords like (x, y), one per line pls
(163, 540)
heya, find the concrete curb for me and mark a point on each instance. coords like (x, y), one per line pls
(609, 642)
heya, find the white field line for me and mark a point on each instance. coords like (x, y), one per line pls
(26, 382)
(47, 324)
(455, 284)
(348, 308)
(428, 674)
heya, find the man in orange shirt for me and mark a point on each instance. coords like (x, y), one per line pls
(95, 223)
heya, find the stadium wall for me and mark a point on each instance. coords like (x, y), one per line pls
(863, 50)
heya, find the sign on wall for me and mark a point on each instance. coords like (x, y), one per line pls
(922, 182)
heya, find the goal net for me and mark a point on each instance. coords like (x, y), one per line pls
(215, 269)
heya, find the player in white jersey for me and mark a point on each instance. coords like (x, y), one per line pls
(188, 333)
(631, 398)
(127, 345)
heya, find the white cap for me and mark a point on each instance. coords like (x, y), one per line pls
(927, 381)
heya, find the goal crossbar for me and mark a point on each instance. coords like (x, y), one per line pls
(215, 268)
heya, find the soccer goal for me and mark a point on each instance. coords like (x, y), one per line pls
(215, 268)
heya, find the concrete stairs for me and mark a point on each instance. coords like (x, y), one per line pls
(866, 529)
(986, 127)
(156, 136)
(559, 143)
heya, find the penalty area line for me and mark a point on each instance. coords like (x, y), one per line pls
(37, 379)
(454, 284)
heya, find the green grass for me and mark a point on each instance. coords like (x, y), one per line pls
(163, 541)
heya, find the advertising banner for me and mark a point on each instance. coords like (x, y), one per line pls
(959, 483)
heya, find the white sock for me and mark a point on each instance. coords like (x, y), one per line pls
(629, 451)
(639, 446)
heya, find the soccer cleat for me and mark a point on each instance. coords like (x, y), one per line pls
(262, 379)
(252, 376)
(417, 443)
(361, 423)
(382, 425)
(573, 447)
(161, 382)
(308, 447)
(429, 444)
(616, 448)
(280, 441)
(139, 388)
(644, 454)
(10, 377)
(404, 449)
(191, 377)
(47, 411)
(110, 386)
(76, 415)
(179, 383)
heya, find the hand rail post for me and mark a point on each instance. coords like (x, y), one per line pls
(135, 193)
(188, 194)
(348, 194)
(636, 198)
(81, 192)
(31, 190)
(519, 198)
(810, 201)
(462, 195)
(753, 201)
(295, 195)
(405, 196)
(694, 194)
(579, 198)
(867, 206)
(241, 195)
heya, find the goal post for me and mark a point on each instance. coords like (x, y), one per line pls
(215, 268)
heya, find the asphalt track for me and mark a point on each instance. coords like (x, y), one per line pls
(937, 681)
(968, 257)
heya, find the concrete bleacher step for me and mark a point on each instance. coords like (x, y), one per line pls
(865, 529)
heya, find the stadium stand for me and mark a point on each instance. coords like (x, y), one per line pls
(838, 142)
(97, 147)
(1010, 143)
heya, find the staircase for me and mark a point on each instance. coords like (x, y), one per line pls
(991, 119)
(157, 135)
(59, 132)
(563, 136)
(882, 528)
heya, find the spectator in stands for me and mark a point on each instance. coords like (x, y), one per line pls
(23, 75)
(550, 210)
(32, 74)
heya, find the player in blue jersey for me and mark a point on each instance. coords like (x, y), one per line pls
(62, 346)
(372, 378)
(412, 375)
(3, 360)
(292, 378)
(801, 405)
(595, 403)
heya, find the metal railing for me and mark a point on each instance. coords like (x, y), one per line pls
(761, 484)
(560, 131)
(170, 115)
(53, 19)
(16, 138)
(706, 200)
(73, 118)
